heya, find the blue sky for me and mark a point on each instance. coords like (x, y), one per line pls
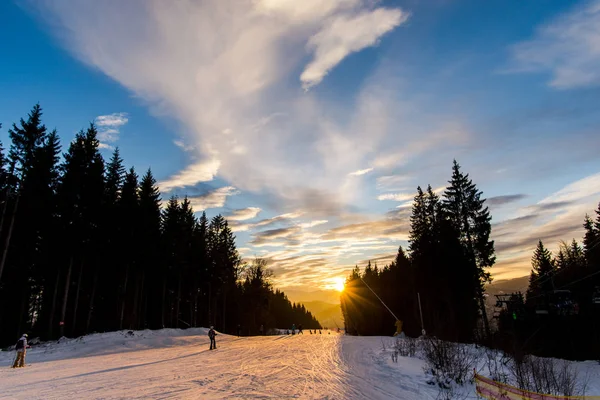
(310, 124)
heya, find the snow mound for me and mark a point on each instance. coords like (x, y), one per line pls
(108, 343)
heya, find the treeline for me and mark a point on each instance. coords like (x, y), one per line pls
(446, 266)
(560, 313)
(85, 246)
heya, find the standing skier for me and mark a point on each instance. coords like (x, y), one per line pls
(211, 335)
(21, 347)
(300, 329)
(293, 329)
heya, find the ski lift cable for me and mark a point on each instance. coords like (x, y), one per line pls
(598, 240)
(379, 298)
(569, 284)
(558, 271)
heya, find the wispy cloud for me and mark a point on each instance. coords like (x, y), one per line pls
(214, 199)
(346, 34)
(361, 172)
(182, 145)
(311, 224)
(393, 182)
(568, 47)
(396, 196)
(578, 190)
(243, 214)
(505, 199)
(215, 65)
(109, 128)
(558, 216)
(203, 171)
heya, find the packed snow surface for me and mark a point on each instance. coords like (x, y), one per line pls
(177, 364)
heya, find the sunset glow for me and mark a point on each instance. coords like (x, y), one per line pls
(295, 121)
(339, 284)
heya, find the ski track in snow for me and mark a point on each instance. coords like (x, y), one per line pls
(173, 364)
(177, 364)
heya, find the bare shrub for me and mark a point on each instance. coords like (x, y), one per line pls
(547, 376)
(406, 347)
(448, 362)
(497, 363)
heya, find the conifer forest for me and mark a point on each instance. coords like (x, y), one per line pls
(87, 245)
(447, 266)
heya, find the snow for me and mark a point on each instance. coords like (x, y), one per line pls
(173, 364)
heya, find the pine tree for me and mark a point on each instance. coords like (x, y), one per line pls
(541, 281)
(26, 138)
(150, 255)
(171, 224)
(104, 301)
(27, 212)
(129, 216)
(466, 210)
(591, 242)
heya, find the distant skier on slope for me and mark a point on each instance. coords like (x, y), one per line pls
(300, 329)
(293, 329)
(21, 348)
(211, 335)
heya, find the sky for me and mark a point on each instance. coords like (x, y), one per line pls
(309, 124)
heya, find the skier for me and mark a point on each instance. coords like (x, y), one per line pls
(293, 329)
(211, 335)
(300, 329)
(21, 348)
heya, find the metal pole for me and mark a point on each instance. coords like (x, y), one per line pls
(379, 298)
(421, 313)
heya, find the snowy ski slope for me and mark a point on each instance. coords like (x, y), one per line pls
(176, 364)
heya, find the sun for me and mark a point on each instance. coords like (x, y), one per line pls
(338, 284)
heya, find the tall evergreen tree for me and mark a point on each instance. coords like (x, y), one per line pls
(465, 208)
(541, 281)
(150, 255)
(129, 216)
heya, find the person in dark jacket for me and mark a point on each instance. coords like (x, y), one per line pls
(21, 348)
(300, 329)
(211, 335)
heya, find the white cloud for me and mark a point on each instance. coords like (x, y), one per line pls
(312, 224)
(108, 128)
(182, 145)
(112, 120)
(393, 182)
(222, 69)
(361, 172)
(346, 34)
(243, 214)
(213, 199)
(588, 187)
(106, 146)
(568, 47)
(203, 171)
(396, 196)
(216, 66)
(303, 11)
